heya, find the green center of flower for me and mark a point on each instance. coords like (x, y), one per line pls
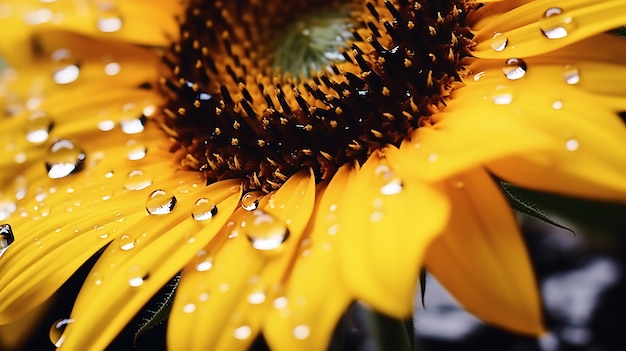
(260, 90)
(310, 44)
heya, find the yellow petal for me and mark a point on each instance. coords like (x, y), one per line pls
(304, 317)
(230, 300)
(481, 258)
(583, 141)
(386, 221)
(135, 266)
(542, 26)
(138, 21)
(471, 131)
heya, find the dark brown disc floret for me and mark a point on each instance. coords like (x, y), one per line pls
(235, 114)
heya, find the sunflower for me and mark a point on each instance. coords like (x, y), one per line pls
(287, 159)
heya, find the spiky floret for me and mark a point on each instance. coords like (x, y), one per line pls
(233, 115)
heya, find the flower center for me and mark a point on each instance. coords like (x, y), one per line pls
(256, 94)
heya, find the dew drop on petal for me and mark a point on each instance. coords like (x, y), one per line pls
(500, 42)
(478, 76)
(250, 201)
(112, 68)
(106, 125)
(205, 265)
(572, 145)
(256, 298)
(433, 158)
(280, 302)
(557, 105)
(502, 95)
(160, 202)
(57, 329)
(135, 151)
(127, 243)
(6, 237)
(189, 308)
(571, 75)
(66, 75)
(391, 183)
(132, 126)
(242, 333)
(558, 31)
(376, 216)
(63, 159)
(137, 180)
(6, 209)
(301, 332)
(137, 276)
(514, 68)
(38, 127)
(204, 209)
(38, 17)
(265, 232)
(108, 20)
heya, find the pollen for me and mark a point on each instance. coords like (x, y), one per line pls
(236, 90)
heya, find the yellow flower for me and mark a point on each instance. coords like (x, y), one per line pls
(321, 190)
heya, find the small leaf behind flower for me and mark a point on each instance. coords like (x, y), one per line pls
(514, 196)
(162, 313)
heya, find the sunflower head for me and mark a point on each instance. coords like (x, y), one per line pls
(257, 93)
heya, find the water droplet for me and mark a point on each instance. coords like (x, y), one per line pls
(280, 302)
(203, 297)
(301, 332)
(109, 20)
(557, 105)
(502, 95)
(137, 180)
(433, 158)
(514, 68)
(376, 216)
(243, 332)
(97, 278)
(560, 30)
(204, 261)
(57, 329)
(37, 17)
(38, 128)
(66, 74)
(250, 201)
(127, 243)
(6, 237)
(572, 145)
(204, 209)
(132, 126)
(500, 42)
(6, 209)
(392, 184)
(571, 75)
(189, 308)
(137, 276)
(135, 151)
(64, 158)
(478, 76)
(160, 202)
(256, 298)
(112, 69)
(265, 231)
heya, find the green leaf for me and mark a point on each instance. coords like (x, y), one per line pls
(515, 197)
(162, 313)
